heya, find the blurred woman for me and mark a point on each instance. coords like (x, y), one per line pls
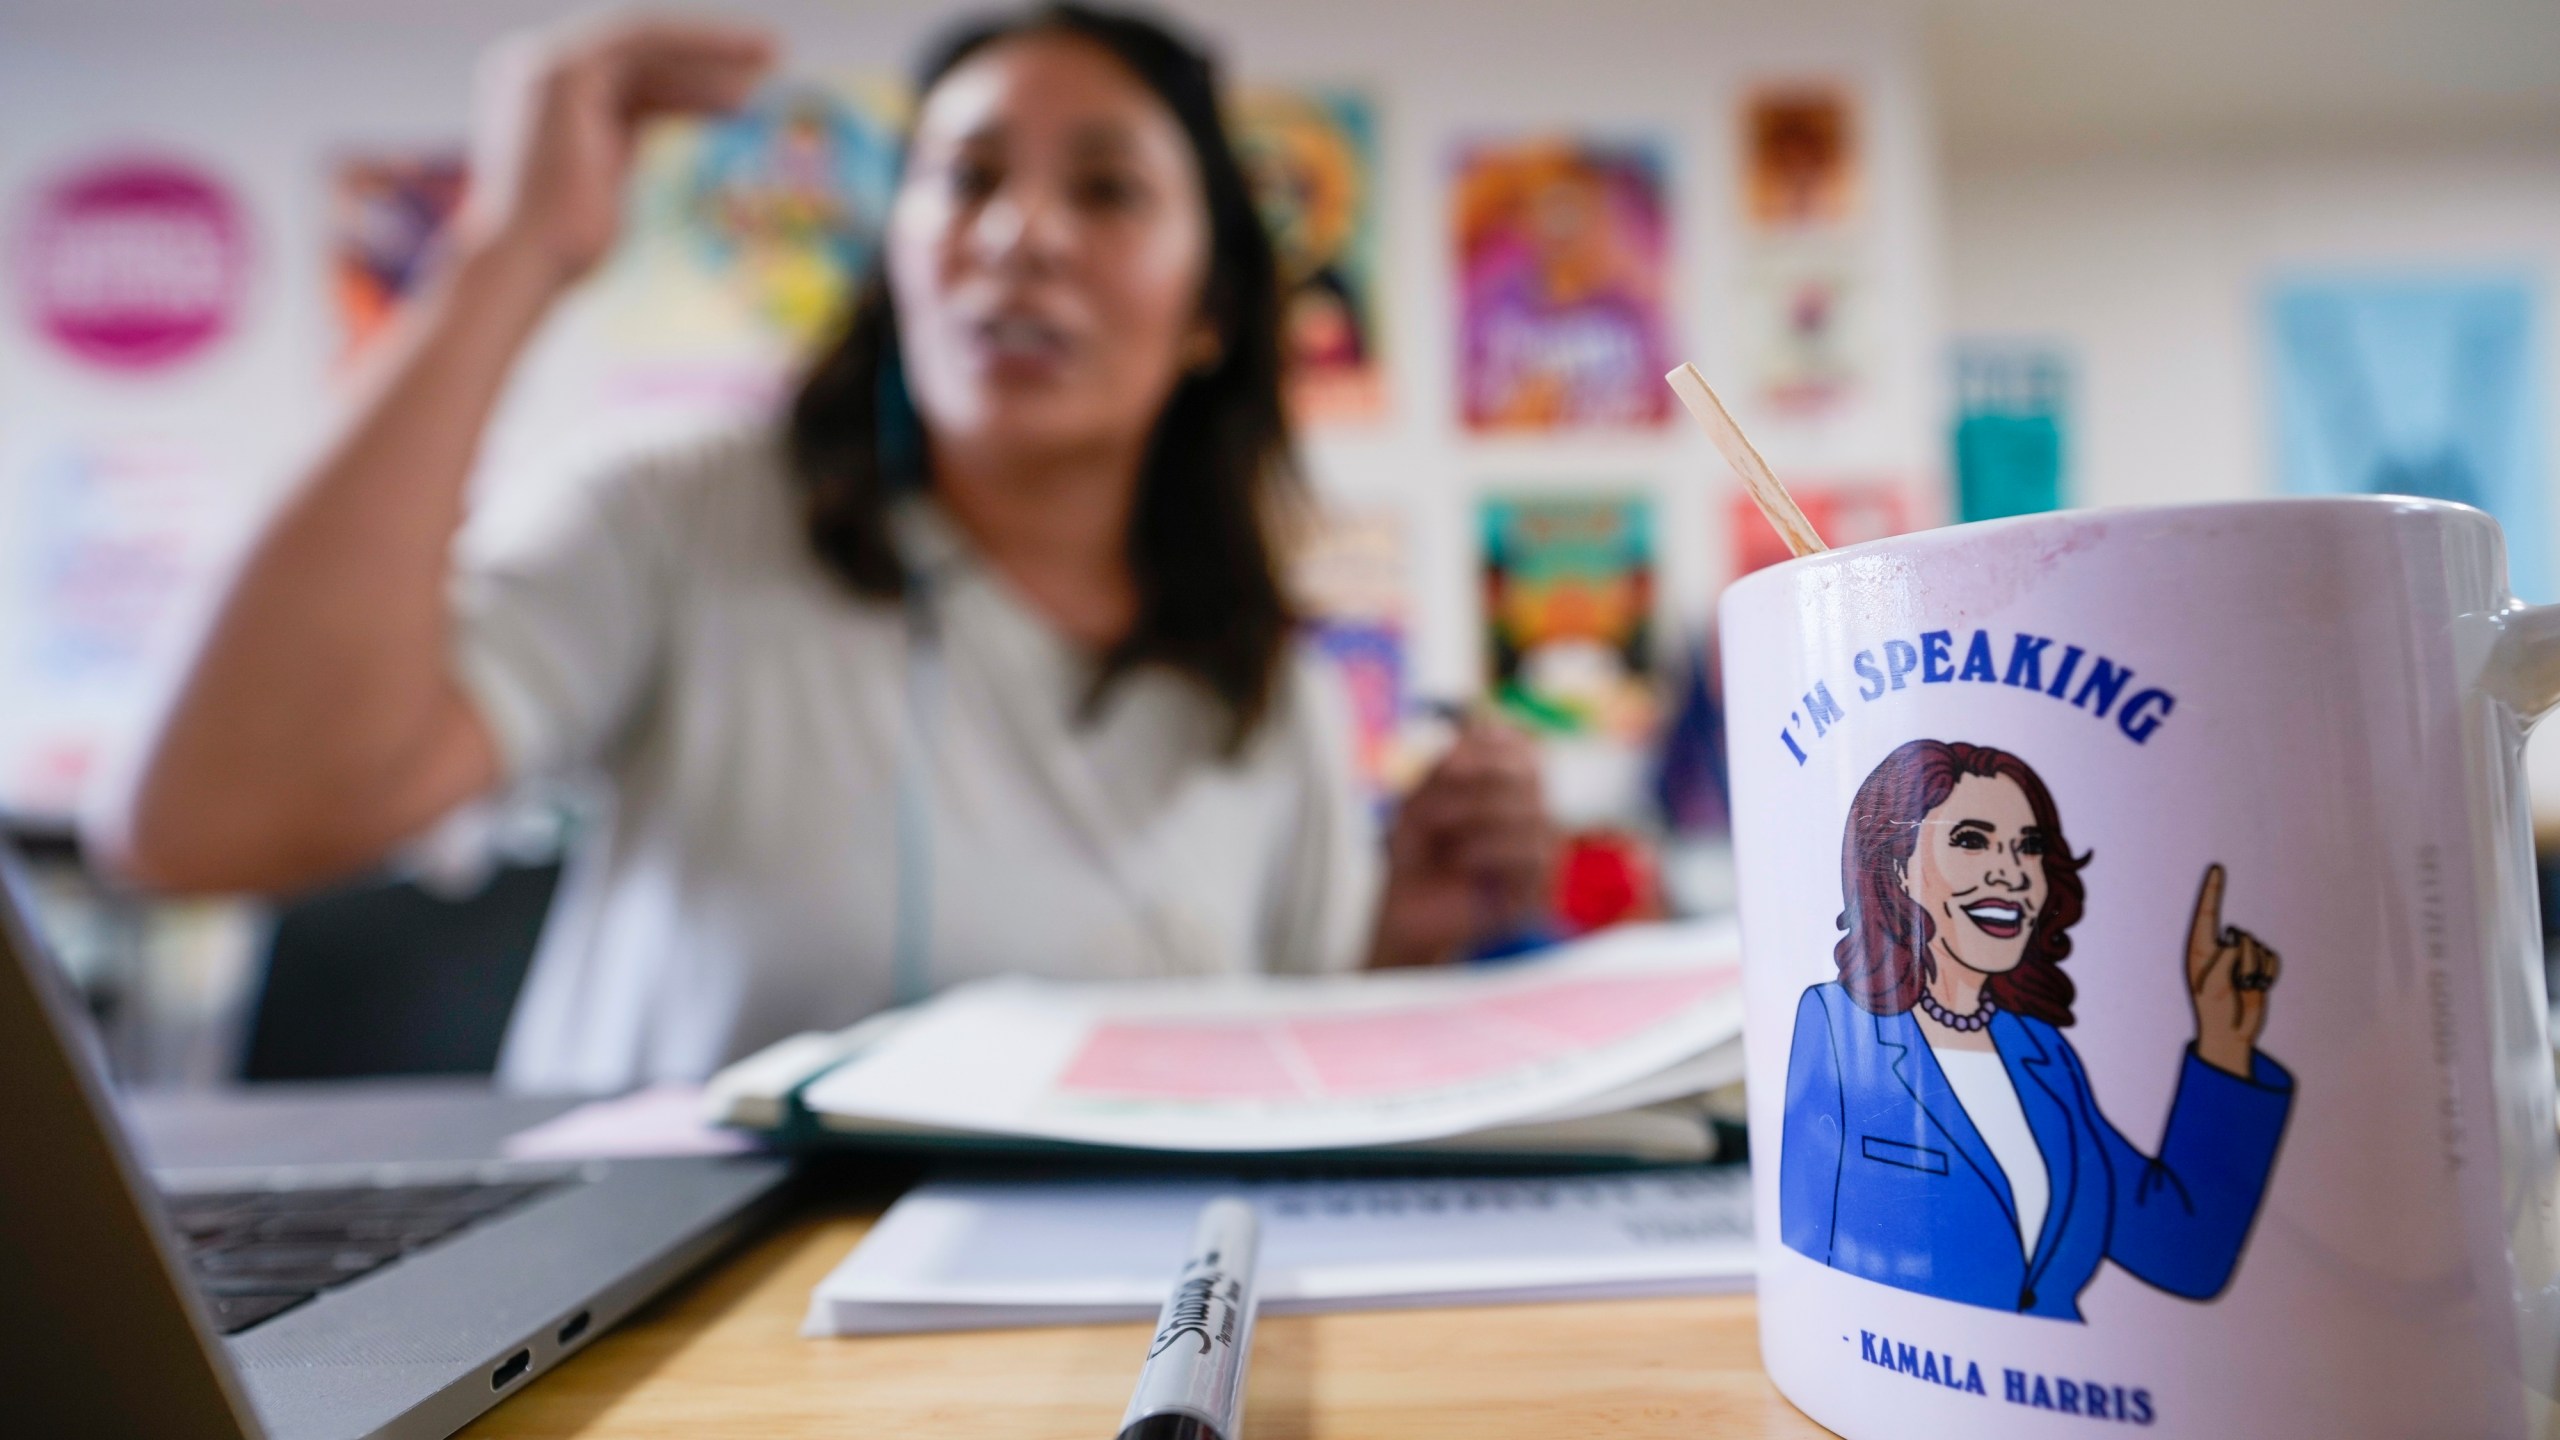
(976, 662)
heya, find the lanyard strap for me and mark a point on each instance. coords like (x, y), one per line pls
(912, 957)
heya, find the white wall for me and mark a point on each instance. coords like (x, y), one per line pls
(2151, 270)
(265, 93)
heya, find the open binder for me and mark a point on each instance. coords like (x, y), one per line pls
(1601, 1051)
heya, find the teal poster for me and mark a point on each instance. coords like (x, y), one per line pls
(2009, 430)
(2418, 385)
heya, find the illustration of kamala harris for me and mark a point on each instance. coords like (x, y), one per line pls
(1941, 1135)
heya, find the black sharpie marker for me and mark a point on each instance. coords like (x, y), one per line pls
(1193, 1386)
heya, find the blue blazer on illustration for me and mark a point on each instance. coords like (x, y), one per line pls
(1883, 1175)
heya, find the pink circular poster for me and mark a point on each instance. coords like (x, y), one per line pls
(133, 263)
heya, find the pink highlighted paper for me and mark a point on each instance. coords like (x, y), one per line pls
(1205, 1061)
(1386, 1052)
(1621, 1019)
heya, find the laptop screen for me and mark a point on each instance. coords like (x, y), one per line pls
(122, 1350)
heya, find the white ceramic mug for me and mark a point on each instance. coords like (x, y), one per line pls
(2146, 1013)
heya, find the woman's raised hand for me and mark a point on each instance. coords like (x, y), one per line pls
(1470, 853)
(2228, 974)
(560, 115)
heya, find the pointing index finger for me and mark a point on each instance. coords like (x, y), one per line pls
(2203, 934)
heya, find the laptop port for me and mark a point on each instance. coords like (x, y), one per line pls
(574, 1326)
(516, 1365)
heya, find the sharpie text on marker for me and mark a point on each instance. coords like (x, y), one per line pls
(1193, 1385)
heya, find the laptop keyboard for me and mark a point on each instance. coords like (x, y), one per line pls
(255, 1254)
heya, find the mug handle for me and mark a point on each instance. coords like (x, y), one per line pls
(2524, 661)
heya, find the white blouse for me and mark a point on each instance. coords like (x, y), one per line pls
(1981, 1082)
(791, 769)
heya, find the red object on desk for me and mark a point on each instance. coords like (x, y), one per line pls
(1606, 876)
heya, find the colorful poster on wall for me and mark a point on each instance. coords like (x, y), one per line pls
(2010, 416)
(1805, 329)
(1352, 583)
(387, 213)
(132, 263)
(1312, 158)
(1800, 156)
(1563, 275)
(746, 237)
(1848, 513)
(1568, 603)
(111, 546)
(1369, 655)
(2418, 385)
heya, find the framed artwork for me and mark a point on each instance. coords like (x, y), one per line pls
(1562, 265)
(387, 212)
(1800, 156)
(1568, 604)
(1312, 159)
(2417, 384)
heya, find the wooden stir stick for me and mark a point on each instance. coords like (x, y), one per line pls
(1784, 515)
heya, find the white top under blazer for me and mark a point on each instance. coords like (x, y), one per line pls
(1981, 1081)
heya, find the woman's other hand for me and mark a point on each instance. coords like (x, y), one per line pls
(2228, 974)
(1471, 851)
(560, 116)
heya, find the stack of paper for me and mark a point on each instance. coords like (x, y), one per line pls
(1601, 1048)
(960, 1256)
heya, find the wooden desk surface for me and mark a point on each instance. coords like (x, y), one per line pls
(722, 1357)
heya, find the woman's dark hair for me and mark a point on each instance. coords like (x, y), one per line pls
(1883, 953)
(1210, 604)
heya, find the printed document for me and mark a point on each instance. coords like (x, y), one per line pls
(957, 1255)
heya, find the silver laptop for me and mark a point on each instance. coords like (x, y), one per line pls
(374, 1294)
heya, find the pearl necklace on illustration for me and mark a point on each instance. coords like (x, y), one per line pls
(1963, 1024)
